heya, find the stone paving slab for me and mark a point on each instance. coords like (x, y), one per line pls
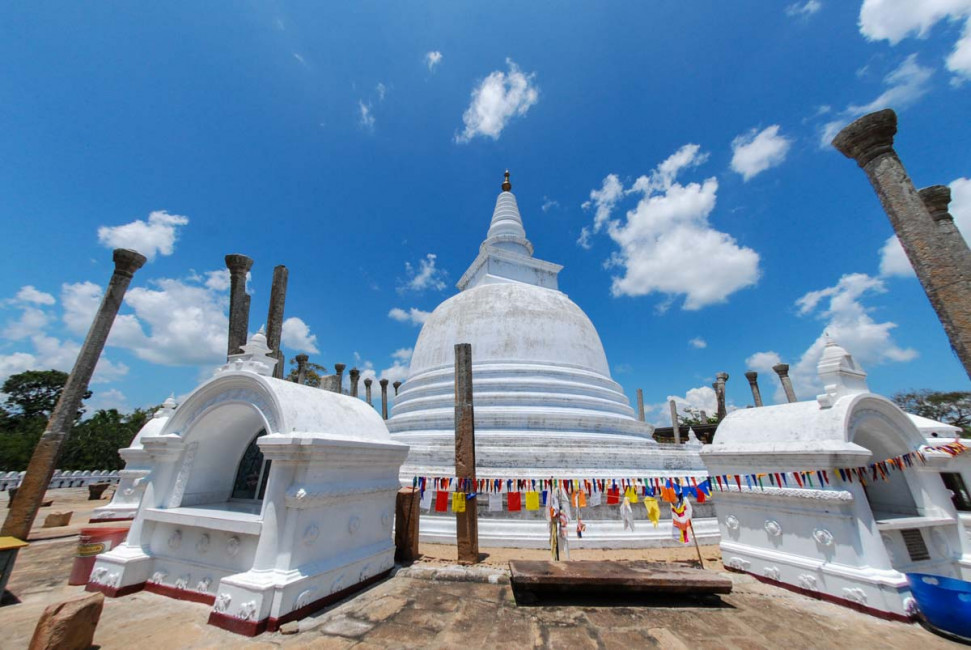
(413, 609)
(619, 576)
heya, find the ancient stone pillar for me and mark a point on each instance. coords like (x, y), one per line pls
(238, 266)
(384, 398)
(720, 379)
(869, 141)
(704, 417)
(355, 377)
(24, 506)
(339, 370)
(302, 360)
(782, 369)
(367, 390)
(274, 319)
(753, 382)
(466, 523)
(640, 405)
(396, 385)
(936, 199)
(406, 519)
(674, 421)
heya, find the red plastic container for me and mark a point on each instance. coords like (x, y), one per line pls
(94, 541)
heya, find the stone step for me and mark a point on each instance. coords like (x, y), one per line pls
(617, 576)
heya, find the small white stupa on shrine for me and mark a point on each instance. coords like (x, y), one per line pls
(545, 404)
(264, 498)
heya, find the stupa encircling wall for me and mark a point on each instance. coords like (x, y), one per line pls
(545, 404)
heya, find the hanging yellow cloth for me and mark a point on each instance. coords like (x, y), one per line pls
(631, 494)
(532, 500)
(458, 501)
(653, 510)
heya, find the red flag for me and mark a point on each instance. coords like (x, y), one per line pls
(441, 501)
(515, 501)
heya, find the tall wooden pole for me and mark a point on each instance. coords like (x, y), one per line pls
(23, 509)
(466, 523)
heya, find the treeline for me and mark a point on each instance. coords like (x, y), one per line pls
(94, 442)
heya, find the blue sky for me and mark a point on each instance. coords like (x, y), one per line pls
(672, 156)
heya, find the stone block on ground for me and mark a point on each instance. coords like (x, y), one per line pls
(95, 490)
(58, 519)
(68, 625)
(406, 525)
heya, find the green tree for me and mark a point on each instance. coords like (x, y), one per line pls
(952, 407)
(692, 416)
(314, 372)
(34, 393)
(94, 442)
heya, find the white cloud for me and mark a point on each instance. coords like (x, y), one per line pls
(366, 117)
(500, 97)
(398, 371)
(754, 152)
(549, 204)
(402, 354)
(669, 223)
(106, 400)
(427, 276)
(701, 398)
(893, 260)
(804, 9)
(382, 90)
(849, 323)
(300, 59)
(220, 280)
(155, 237)
(763, 361)
(296, 336)
(29, 294)
(32, 321)
(906, 83)
(895, 20)
(698, 342)
(432, 59)
(414, 315)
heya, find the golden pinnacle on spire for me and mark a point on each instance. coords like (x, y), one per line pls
(506, 185)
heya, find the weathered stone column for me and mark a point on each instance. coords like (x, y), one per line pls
(674, 421)
(640, 405)
(302, 360)
(355, 377)
(869, 141)
(753, 382)
(396, 385)
(23, 508)
(720, 379)
(367, 390)
(782, 369)
(466, 523)
(384, 398)
(704, 416)
(339, 373)
(274, 319)
(936, 199)
(238, 266)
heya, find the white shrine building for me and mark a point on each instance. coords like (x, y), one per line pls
(264, 498)
(545, 404)
(839, 540)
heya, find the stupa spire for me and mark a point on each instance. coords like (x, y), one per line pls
(506, 185)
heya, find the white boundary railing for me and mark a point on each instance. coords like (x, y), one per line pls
(61, 479)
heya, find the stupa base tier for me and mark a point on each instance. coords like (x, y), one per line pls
(535, 533)
(513, 454)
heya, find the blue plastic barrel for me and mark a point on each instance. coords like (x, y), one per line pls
(944, 602)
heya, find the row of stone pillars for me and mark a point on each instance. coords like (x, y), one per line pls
(239, 305)
(721, 379)
(335, 382)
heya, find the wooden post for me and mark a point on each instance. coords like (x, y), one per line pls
(406, 519)
(466, 523)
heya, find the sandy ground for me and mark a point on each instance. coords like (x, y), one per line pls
(500, 557)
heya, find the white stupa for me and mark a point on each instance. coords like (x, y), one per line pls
(545, 404)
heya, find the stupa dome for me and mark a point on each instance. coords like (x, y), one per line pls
(510, 322)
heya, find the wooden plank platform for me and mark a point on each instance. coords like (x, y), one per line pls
(616, 575)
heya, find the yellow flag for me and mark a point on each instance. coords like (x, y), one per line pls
(458, 501)
(532, 500)
(631, 494)
(653, 511)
